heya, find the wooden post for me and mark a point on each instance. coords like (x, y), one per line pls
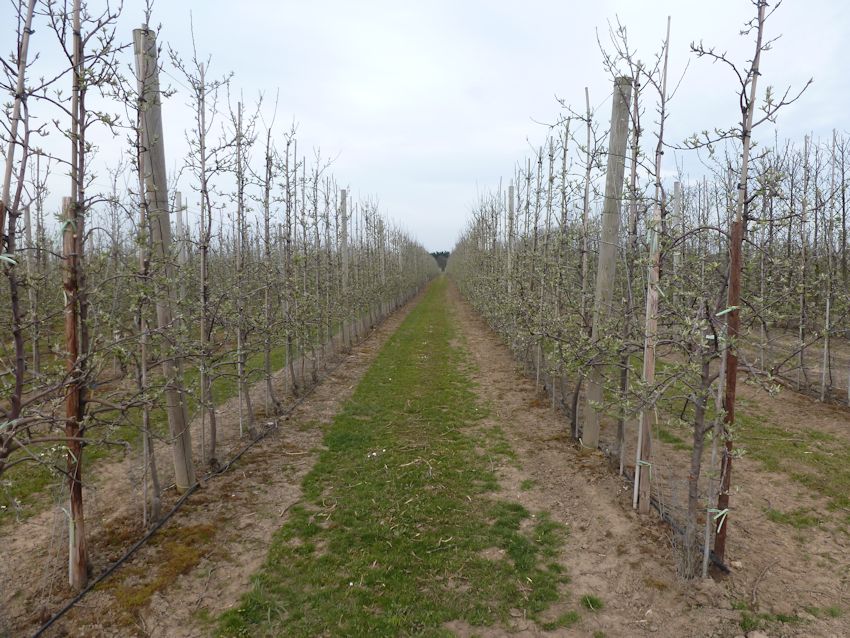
(608, 247)
(677, 223)
(182, 248)
(343, 232)
(156, 194)
(32, 291)
(630, 260)
(511, 215)
(181, 227)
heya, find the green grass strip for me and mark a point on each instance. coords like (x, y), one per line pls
(400, 530)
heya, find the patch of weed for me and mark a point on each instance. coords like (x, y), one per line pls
(567, 619)
(591, 602)
(666, 436)
(752, 621)
(527, 484)
(833, 611)
(799, 518)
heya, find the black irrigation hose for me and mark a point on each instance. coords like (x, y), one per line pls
(665, 516)
(163, 520)
(144, 539)
(676, 528)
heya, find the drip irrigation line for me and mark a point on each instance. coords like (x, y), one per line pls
(667, 518)
(185, 496)
(138, 544)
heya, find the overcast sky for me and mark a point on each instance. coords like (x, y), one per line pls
(425, 104)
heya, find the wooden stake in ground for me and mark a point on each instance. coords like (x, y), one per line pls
(182, 240)
(608, 245)
(32, 290)
(343, 247)
(156, 193)
(631, 253)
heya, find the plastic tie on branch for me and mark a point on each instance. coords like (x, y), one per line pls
(719, 515)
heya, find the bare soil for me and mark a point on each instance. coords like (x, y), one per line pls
(200, 562)
(782, 569)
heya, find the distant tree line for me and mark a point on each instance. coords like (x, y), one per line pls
(442, 258)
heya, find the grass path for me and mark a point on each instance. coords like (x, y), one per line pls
(401, 529)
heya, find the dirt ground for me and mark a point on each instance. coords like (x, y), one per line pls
(200, 562)
(785, 569)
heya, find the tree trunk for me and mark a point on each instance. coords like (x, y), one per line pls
(733, 302)
(74, 407)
